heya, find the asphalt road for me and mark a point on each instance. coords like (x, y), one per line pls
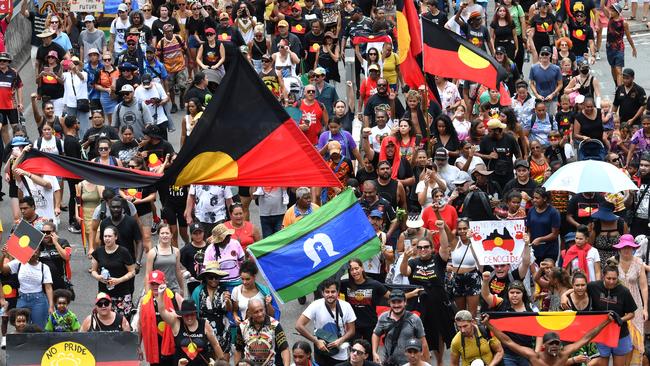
(86, 287)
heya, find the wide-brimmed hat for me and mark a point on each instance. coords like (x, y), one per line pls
(626, 240)
(220, 232)
(19, 141)
(46, 33)
(496, 123)
(414, 221)
(212, 268)
(188, 306)
(605, 212)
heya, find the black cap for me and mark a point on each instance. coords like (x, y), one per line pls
(413, 343)
(522, 163)
(196, 226)
(146, 79)
(545, 49)
(628, 72)
(397, 294)
(583, 64)
(500, 49)
(441, 154)
(550, 336)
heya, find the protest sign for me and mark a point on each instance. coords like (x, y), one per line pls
(87, 349)
(53, 6)
(87, 6)
(6, 6)
(498, 242)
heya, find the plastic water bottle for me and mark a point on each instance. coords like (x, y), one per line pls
(106, 275)
(357, 125)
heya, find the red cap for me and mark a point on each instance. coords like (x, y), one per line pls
(132, 37)
(102, 296)
(157, 276)
(210, 30)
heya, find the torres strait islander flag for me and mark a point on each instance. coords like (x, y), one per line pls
(298, 258)
(569, 325)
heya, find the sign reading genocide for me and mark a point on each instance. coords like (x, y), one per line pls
(498, 242)
(78, 349)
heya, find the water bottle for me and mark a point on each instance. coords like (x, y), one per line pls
(357, 125)
(106, 275)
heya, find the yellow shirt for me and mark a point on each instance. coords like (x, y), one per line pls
(470, 352)
(390, 68)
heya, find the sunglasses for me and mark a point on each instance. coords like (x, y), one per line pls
(209, 34)
(212, 278)
(121, 11)
(423, 247)
(266, 61)
(107, 60)
(544, 54)
(46, 232)
(54, 22)
(103, 304)
(133, 166)
(102, 149)
(357, 351)
(310, 91)
(6, 61)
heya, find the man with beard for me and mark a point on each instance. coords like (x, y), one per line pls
(260, 336)
(129, 234)
(333, 319)
(553, 353)
(390, 189)
(133, 54)
(131, 112)
(382, 100)
(639, 202)
(192, 256)
(474, 343)
(399, 326)
(371, 201)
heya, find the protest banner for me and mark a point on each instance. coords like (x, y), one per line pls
(87, 6)
(87, 349)
(498, 242)
(6, 6)
(24, 240)
(53, 6)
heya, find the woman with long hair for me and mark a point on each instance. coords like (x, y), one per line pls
(251, 289)
(194, 32)
(245, 231)
(519, 19)
(504, 32)
(362, 292)
(416, 113)
(443, 134)
(50, 82)
(165, 258)
(468, 161)
(559, 283)
(537, 161)
(371, 58)
(405, 136)
(460, 123)
(477, 131)
(450, 97)
(194, 113)
(210, 57)
(513, 127)
(106, 77)
(465, 270)
(582, 257)
(328, 58)
(512, 71)
(523, 103)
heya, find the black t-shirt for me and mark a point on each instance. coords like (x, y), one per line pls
(140, 193)
(479, 37)
(174, 196)
(125, 151)
(382, 205)
(120, 82)
(502, 33)
(157, 27)
(580, 35)
(619, 299)
(42, 52)
(312, 44)
(506, 148)
(498, 286)
(427, 274)
(543, 28)
(405, 170)
(116, 263)
(192, 258)
(383, 101)
(514, 184)
(564, 121)
(195, 26)
(592, 128)
(197, 93)
(440, 18)
(628, 103)
(160, 150)
(581, 207)
(128, 232)
(363, 175)
(51, 257)
(93, 134)
(71, 146)
(363, 298)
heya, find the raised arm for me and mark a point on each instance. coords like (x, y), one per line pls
(573, 347)
(507, 342)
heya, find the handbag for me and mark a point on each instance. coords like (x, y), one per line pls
(83, 105)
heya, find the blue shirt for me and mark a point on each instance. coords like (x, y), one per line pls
(157, 71)
(64, 41)
(92, 77)
(545, 79)
(542, 223)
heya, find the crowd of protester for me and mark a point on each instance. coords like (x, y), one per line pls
(422, 170)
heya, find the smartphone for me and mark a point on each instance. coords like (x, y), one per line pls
(407, 244)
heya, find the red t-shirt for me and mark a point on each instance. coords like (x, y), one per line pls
(449, 216)
(9, 81)
(313, 115)
(368, 89)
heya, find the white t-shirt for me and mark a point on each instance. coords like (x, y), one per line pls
(449, 174)
(321, 318)
(420, 188)
(48, 146)
(43, 197)
(210, 202)
(119, 29)
(592, 258)
(242, 301)
(80, 88)
(31, 278)
(461, 160)
(376, 133)
(143, 94)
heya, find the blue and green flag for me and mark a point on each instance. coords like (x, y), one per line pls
(295, 260)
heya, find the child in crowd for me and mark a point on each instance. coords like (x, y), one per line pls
(515, 210)
(607, 114)
(19, 318)
(62, 319)
(557, 149)
(564, 118)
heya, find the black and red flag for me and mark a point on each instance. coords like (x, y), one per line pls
(66, 167)
(246, 138)
(569, 325)
(449, 55)
(24, 241)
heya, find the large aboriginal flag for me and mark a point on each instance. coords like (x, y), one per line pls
(449, 55)
(246, 138)
(570, 325)
(24, 241)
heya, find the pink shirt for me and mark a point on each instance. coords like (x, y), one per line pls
(229, 259)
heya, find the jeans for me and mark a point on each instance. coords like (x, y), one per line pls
(271, 224)
(82, 117)
(514, 360)
(38, 305)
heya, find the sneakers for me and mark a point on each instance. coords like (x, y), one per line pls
(597, 56)
(154, 227)
(174, 108)
(74, 228)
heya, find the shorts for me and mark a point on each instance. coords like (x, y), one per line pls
(615, 58)
(146, 219)
(10, 115)
(192, 42)
(177, 79)
(173, 215)
(623, 348)
(467, 284)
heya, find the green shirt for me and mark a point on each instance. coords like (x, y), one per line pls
(516, 11)
(67, 322)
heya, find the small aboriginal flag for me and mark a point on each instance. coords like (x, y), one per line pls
(24, 241)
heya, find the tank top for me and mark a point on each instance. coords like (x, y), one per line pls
(167, 264)
(271, 80)
(259, 49)
(211, 54)
(587, 89)
(193, 345)
(592, 128)
(457, 259)
(98, 326)
(286, 67)
(388, 192)
(615, 33)
(244, 234)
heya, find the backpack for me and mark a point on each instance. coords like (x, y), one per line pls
(58, 143)
(102, 209)
(178, 39)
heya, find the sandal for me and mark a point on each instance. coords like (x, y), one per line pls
(631, 18)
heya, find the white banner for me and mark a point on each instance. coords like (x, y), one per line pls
(87, 6)
(498, 242)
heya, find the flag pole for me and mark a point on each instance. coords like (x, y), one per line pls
(426, 84)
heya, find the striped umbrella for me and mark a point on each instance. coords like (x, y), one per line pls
(589, 176)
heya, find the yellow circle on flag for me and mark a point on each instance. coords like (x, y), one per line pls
(498, 242)
(161, 326)
(316, 46)
(299, 27)
(131, 191)
(6, 289)
(23, 241)
(471, 59)
(153, 158)
(224, 35)
(579, 33)
(555, 320)
(69, 354)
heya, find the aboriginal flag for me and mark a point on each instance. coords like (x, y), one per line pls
(449, 55)
(246, 138)
(371, 38)
(24, 241)
(569, 325)
(39, 162)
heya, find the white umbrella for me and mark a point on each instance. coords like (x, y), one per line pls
(589, 176)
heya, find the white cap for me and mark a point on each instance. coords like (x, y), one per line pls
(93, 50)
(127, 88)
(122, 7)
(90, 18)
